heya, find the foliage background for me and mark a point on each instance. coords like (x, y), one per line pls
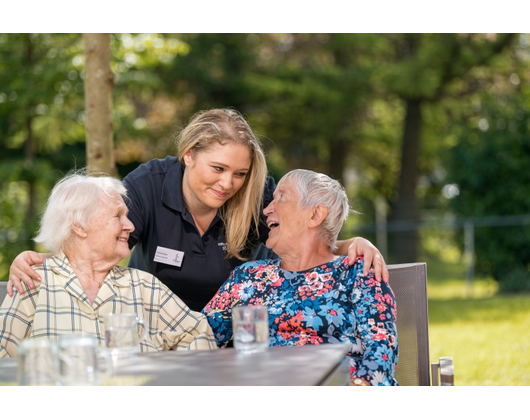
(398, 118)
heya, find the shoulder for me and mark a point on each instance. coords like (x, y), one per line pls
(149, 180)
(351, 273)
(153, 168)
(343, 264)
(54, 266)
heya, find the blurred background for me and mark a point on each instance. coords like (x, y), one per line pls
(429, 133)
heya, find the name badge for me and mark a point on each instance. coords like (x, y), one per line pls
(168, 256)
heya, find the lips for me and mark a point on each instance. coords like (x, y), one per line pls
(220, 194)
(272, 224)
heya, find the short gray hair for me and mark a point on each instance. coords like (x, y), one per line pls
(316, 189)
(73, 199)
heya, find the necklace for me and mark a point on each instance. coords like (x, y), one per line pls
(87, 276)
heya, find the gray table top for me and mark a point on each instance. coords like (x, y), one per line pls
(297, 366)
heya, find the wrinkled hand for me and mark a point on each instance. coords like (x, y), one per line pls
(21, 271)
(372, 257)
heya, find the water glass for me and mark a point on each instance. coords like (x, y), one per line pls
(88, 364)
(251, 328)
(122, 335)
(38, 362)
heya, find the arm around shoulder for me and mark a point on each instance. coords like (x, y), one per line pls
(21, 271)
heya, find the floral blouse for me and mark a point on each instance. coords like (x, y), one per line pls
(331, 303)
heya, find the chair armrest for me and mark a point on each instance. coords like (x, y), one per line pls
(447, 371)
(443, 372)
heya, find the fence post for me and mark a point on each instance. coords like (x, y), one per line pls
(469, 255)
(380, 223)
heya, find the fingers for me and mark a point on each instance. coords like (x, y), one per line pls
(386, 276)
(372, 258)
(21, 272)
(368, 262)
(378, 262)
(17, 278)
(9, 288)
(30, 258)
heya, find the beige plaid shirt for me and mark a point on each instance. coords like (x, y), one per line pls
(58, 305)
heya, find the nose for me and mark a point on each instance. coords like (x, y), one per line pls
(225, 181)
(269, 209)
(128, 225)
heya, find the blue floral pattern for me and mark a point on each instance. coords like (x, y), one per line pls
(331, 303)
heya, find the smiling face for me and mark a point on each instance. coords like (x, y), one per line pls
(108, 230)
(287, 222)
(214, 175)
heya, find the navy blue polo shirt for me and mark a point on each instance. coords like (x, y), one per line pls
(162, 222)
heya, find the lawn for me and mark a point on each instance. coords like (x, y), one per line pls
(486, 333)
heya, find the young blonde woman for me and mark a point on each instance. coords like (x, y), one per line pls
(199, 215)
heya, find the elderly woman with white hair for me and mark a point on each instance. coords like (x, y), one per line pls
(314, 296)
(86, 229)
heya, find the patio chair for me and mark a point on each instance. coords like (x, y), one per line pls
(3, 291)
(409, 283)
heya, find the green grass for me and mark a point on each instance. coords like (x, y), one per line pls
(486, 333)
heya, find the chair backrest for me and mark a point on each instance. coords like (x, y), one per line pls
(3, 291)
(409, 284)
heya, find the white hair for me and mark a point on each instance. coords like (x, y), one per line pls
(316, 189)
(72, 201)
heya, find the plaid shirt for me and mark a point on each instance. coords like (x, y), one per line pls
(58, 305)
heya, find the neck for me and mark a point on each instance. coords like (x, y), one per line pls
(82, 259)
(202, 215)
(303, 258)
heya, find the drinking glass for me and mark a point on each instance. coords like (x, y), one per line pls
(251, 328)
(122, 335)
(89, 364)
(38, 362)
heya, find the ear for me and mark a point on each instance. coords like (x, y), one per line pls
(318, 214)
(79, 231)
(187, 157)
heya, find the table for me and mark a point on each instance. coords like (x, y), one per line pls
(323, 364)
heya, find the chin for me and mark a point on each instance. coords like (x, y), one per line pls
(216, 204)
(122, 255)
(270, 245)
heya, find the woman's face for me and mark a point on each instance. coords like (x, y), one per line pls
(287, 222)
(108, 230)
(214, 175)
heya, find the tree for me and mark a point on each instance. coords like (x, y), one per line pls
(488, 165)
(99, 81)
(40, 103)
(422, 69)
(491, 171)
(305, 93)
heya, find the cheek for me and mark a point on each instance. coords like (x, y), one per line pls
(238, 184)
(201, 178)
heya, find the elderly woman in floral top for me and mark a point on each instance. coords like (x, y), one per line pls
(312, 295)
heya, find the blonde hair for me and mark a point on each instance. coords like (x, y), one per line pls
(242, 212)
(316, 189)
(72, 201)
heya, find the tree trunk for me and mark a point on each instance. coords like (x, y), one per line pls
(98, 82)
(405, 215)
(337, 159)
(29, 154)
